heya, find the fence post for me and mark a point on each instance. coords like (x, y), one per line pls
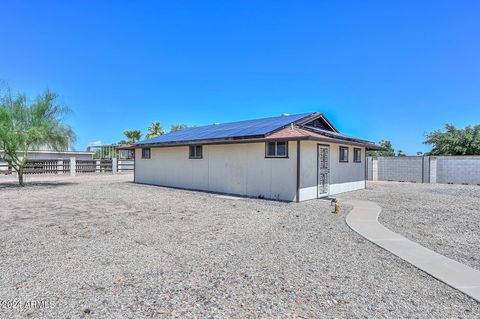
(60, 167)
(114, 165)
(375, 168)
(73, 166)
(433, 170)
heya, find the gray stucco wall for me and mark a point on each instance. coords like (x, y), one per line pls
(240, 169)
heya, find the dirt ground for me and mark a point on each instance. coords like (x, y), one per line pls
(100, 246)
(442, 217)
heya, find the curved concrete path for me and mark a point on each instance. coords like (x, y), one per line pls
(364, 220)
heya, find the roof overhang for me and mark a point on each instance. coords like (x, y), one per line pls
(294, 131)
(286, 134)
(125, 147)
(368, 146)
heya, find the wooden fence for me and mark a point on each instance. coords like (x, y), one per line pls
(94, 166)
(5, 169)
(47, 167)
(62, 166)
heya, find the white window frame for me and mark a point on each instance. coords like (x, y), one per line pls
(340, 154)
(355, 150)
(276, 150)
(195, 155)
(144, 149)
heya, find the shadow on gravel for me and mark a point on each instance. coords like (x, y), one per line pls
(201, 191)
(35, 184)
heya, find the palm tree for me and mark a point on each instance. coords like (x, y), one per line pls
(24, 126)
(133, 136)
(178, 127)
(155, 129)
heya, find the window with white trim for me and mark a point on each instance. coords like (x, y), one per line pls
(276, 149)
(357, 155)
(196, 151)
(343, 156)
(146, 152)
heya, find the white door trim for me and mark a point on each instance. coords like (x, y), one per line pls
(323, 171)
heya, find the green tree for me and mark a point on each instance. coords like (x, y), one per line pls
(155, 129)
(454, 141)
(178, 127)
(132, 136)
(105, 153)
(27, 125)
(400, 153)
(388, 149)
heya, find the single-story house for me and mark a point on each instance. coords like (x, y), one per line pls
(289, 157)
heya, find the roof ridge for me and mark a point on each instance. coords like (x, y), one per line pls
(262, 118)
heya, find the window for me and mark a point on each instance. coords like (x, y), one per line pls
(145, 152)
(276, 149)
(196, 151)
(343, 154)
(357, 155)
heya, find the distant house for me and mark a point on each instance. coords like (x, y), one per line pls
(290, 157)
(109, 151)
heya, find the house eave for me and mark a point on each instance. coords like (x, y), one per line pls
(368, 146)
(236, 140)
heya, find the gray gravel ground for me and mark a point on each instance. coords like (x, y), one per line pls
(103, 247)
(442, 217)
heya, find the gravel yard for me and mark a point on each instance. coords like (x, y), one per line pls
(101, 246)
(442, 217)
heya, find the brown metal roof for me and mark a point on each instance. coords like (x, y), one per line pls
(294, 132)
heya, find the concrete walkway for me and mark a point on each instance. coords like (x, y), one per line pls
(364, 220)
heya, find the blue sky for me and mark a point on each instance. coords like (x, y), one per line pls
(378, 69)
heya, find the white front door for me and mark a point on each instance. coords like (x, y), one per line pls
(323, 174)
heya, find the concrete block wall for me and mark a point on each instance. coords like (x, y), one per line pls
(432, 177)
(370, 170)
(425, 169)
(458, 169)
(404, 169)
